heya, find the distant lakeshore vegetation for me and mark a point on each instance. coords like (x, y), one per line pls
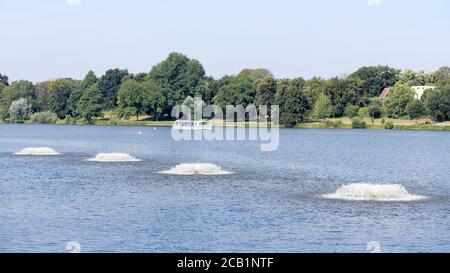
(122, 98)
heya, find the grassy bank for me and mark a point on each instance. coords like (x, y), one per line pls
(337, 123)
(398, 124)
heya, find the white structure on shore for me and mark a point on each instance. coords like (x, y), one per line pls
(421, 89)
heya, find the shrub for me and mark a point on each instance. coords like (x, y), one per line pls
(389, 125)
(374, 111)
(19, 110)
(333, 124)
(358, 123)
(351, 111)
(364, 112)
(44, 118)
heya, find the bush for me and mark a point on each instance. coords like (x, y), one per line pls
(364, 112)
(351, 111)
(44, 118)
(389, 125)
(374, 111)
(358, 123)
(19, 110)
(333, 124)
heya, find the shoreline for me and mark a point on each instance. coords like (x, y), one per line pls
(333, 124)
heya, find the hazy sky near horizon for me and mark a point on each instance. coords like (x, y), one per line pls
(65, 38)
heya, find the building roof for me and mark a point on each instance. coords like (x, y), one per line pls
(385, 93)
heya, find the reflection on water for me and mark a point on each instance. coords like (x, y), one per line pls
(270, 203)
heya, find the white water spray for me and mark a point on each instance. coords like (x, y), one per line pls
(196, 169)
(114, 157)
(373, 192)
(38, 151)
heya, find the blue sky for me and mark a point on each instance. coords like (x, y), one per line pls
(50, 38)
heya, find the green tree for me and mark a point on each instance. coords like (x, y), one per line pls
(59, 92)
(295, 107)
(109, 84)
(90, 104)
(204, 90)
(375, 111)
(72, 101)
(130, 99)
(3, 79)
(153, 100)
(400, 96)
(415, 109)
(13, 92)
(442, 76)
(351, 111)
(89, 80)
(177, 77)
(266, 90)
(412, 78)
(375, 79)
(313, 89)
(241, 90)
(342, 92)
(438, 103)
(256, 75)
(42, 96)
(323, 108)
(19, 110)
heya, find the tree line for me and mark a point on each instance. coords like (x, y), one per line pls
(178, 77)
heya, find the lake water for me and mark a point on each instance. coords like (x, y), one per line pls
(272, 202)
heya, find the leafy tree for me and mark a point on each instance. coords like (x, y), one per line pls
(323, 108)
(412, 78)
(438, 103)
(282, 87)
(313, 89)
(109, 84)
(139, 77)
(3, 79)
(177, 77)
(295, 107)
(442, 76)
(375, 111)
(90, 104)
(415, 109)
(42, 96)
(19, 110)
(266, 90)
(153, 100)
(204, 90)
(13, 92)
(351, 111)
(240, 90)
(400, 96)
(375, 79)
(256, 75)
(89, 80)
(130, 99)
(72, 101)
(59, 92)
(342, 92)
